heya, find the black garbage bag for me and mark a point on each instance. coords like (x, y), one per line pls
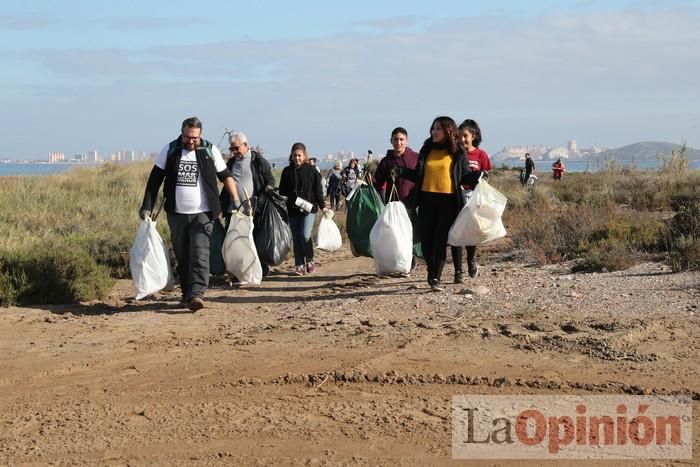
(216, 258)
(273, 238)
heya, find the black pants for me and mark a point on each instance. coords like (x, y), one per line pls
(457, 256)
(436, 213)
(334, 196)
(191, 238)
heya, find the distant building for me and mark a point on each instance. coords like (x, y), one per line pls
(558, 153)
(537, 151)
(56, 157)
(572, 146)
(93, 156)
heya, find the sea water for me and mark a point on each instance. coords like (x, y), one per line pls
(35, 168)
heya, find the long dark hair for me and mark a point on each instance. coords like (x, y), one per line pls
(473, 128)
(450, 128)
(296, 146)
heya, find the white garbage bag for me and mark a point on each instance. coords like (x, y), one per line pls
(391, 240)
(240, 255)
(149, 261)
(328, 238)
(479, 221)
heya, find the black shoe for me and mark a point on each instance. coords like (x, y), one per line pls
(436, 285)
(459, 277)
(473, 269)
(196, 304)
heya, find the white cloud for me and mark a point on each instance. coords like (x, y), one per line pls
(603, 79)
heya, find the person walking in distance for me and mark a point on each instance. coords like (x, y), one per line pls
(558, 169)
(529, 169)
(189, 167)
(334, 178)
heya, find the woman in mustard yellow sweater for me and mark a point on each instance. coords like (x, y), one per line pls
(442, 169)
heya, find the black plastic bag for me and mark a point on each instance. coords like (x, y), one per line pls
(273, 238)
(216, 258)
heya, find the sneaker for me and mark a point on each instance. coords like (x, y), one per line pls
(459, 277)
(473, 269)
(436, 285)
(299, 270)
(196, 304)
(310, 267)
(184, 303)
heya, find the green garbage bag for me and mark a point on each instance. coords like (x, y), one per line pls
(216, 258)
(364, 208)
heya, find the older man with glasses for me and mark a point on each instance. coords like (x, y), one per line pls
(252, 174)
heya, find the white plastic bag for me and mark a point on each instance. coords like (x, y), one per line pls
(240, 255)
(328, 238)
(391, 240)
(149, 261)
(479, 221)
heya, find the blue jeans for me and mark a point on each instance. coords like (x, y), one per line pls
(301, 227)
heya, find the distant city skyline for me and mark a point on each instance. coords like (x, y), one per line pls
(80, 75)
(567, 149)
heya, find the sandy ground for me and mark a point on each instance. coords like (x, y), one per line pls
(338, 368)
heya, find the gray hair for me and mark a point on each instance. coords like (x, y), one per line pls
(238, 136)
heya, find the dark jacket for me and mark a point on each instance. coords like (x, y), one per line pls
(334, 181)
(461, 174)
(529, 165)
(304, 182)
(262, 177)
(405, 187)
(344, 187)
(207, 177)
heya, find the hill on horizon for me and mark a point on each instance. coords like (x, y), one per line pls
(646, 150)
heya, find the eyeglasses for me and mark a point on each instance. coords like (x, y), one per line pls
(235, 148)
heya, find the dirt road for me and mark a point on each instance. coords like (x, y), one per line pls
(337, 368)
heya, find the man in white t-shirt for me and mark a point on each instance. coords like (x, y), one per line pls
(189, 167)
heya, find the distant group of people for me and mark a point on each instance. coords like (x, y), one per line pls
(527, 174)
(433, 183)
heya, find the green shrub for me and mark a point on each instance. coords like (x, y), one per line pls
(606, 255)
(65, 273)
(682, 236)
(8, 290)
(110, 249)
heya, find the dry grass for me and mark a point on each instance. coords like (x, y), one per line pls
(81, 224)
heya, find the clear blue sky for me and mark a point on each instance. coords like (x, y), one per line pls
(80, 75)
